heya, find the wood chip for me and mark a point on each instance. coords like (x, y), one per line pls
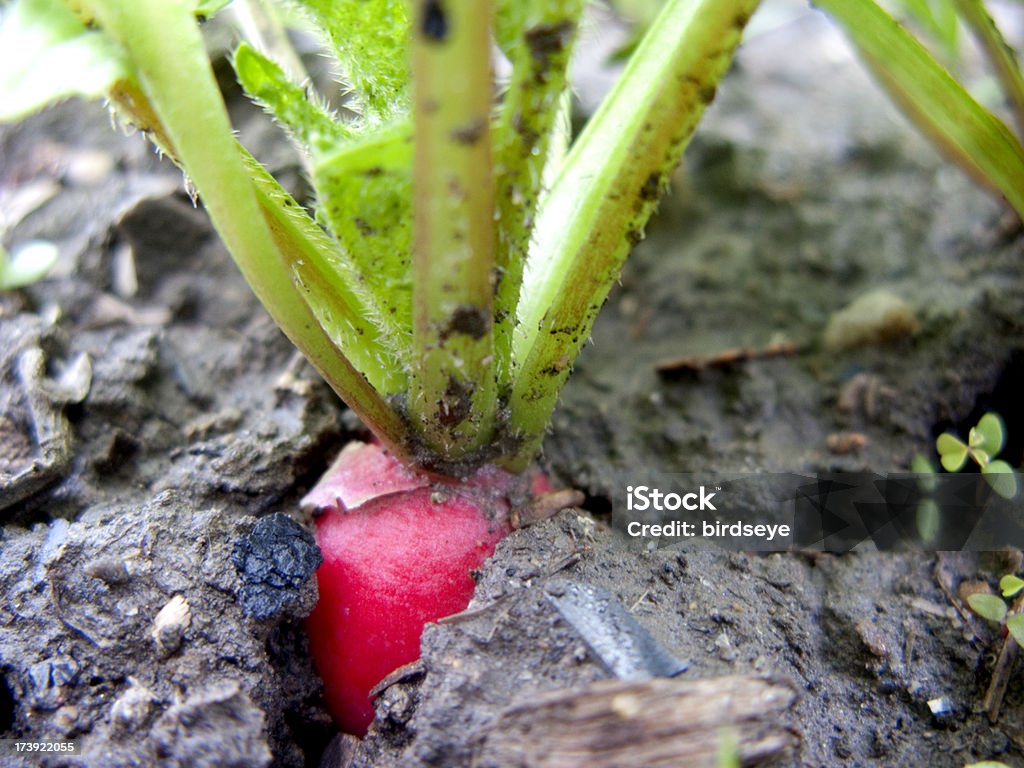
(654, 723)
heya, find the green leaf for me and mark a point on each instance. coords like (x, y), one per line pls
(26, 265)
(539, 51)
(308, 122)
(987, 764)
(928, 519)
(988, 435)
(1001, 478)
(1003, 58)
(939, 19)
(1011, 585)
(920, 465)
(952, 451)
(48, 54)
(937, 104)
(364, 193)
(1015, 625)
(991, 607)
(369, 39)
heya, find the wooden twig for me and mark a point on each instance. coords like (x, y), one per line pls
(654, 723)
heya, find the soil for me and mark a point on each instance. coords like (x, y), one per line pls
(802, 192)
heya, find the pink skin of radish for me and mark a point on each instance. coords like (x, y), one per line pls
(398, 551)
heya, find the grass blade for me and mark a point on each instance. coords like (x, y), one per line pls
(1000, 54)
(974, 138)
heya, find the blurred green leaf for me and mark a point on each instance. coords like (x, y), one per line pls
(978, 141)
(939, 19)
(48, 54)
(989, 434)
(1000, 477)
(1015, 625)
(920, 465)
(1003, 58)
(1011, 585)
(27, 264)
(928, 519)
(991, 607)
(952, 451)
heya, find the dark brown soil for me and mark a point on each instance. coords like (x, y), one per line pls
(802, 191)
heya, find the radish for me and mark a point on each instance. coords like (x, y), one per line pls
(399, 552)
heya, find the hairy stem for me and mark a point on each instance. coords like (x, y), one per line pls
(540, 60)
(610, 183)
(179, 99)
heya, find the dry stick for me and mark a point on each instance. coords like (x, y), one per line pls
(655, 723)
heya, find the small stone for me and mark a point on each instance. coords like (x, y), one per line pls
(877, 317)
(132, 707)
(873, 638)
(170, 624)
(726, 652)
(108, 569)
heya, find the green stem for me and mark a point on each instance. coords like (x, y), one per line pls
(185, 108)
(609, 186)
(452, 397)
(540, 60)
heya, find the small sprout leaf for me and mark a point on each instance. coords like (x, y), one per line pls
(1001, 478)
(921, 466)
(989, 607)
(989, 435)
(49, 55)
(1015, 625)
(1011, 585)
(952, 452)
(28, 264)
(928, 520)
(308, 122)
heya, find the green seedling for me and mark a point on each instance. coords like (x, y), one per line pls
(984, 442)
(994, 608)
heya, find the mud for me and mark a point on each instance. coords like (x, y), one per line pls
(803, 191)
